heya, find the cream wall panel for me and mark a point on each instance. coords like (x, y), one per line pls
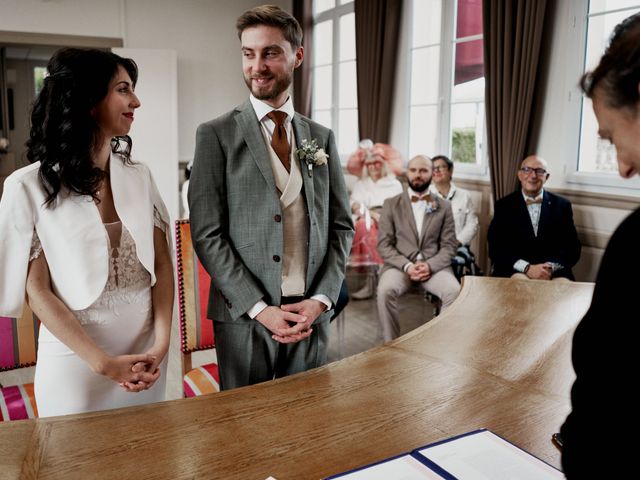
(586, 269)
(600, 219)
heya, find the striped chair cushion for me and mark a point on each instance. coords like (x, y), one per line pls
(201, 381)
(18, 340)
(17, 402)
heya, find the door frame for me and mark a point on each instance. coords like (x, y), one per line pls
(9, 39)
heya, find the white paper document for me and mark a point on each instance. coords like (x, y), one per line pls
(401, 468)
(483, 455)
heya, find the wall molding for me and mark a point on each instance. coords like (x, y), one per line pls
(8, 38)
(587, 198)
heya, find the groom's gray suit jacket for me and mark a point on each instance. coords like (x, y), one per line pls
(236, 217)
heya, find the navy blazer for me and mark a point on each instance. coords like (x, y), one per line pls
(511, 235)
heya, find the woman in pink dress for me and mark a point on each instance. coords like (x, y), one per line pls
(377, 166)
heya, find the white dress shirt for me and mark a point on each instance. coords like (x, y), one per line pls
(464, 215)
(419, 210)
(268, 125)
(534, 209)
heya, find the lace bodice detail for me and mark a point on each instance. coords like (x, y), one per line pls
(125, 270)
(128, 281)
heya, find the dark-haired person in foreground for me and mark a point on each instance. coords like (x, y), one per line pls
(84, 237)
(599, 435)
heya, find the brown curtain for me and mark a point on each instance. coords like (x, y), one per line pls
(377, 33)
(302, 11)
(513, 32)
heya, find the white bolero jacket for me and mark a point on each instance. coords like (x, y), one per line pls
(71, 233)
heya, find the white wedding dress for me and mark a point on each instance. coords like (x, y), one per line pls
(120, 321)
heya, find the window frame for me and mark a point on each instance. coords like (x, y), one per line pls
(597, 182)
(447, 46)
(334, 14)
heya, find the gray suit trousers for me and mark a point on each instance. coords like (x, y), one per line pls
(394, 283)
(247, 354)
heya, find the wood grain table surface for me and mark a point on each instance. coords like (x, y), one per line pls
(499, 358)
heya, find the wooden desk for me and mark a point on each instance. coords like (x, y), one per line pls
(498, 358)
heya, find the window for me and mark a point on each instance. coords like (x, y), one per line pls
(38, 79)
(597, 155)
(446, 105)
(335, 97)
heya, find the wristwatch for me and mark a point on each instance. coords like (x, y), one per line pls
(526, 269)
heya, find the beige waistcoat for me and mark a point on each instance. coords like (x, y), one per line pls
(295, 221)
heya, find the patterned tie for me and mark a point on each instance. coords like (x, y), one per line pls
(279, 140)
(415, 198)
(531, 201)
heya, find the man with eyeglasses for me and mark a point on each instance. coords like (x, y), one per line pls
(464, 215)
(532, 234)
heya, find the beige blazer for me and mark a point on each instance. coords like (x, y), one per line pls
(398, 239)
(72, 234)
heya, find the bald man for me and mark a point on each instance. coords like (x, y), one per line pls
(532, 234)
(416, 240)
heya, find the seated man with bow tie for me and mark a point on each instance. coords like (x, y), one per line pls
(532, 234)
(416, 240)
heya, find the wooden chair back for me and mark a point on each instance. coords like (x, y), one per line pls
(196, 330)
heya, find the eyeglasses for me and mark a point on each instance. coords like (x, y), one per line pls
(540, 172)
(440, 169)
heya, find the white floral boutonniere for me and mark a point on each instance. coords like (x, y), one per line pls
(311, 154)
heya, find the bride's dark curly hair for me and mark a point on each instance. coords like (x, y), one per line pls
(64, 134)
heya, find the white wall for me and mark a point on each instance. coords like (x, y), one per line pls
(204, 36)
(202, 32)
(560, 122)
(155, 131)
(96, 18)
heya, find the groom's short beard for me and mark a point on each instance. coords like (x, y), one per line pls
(281, 84)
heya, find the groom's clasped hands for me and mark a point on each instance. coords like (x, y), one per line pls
(291, 323)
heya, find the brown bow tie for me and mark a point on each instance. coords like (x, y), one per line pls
(531, 201)
(415, 198)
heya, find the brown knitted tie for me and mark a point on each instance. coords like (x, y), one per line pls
(279, 140)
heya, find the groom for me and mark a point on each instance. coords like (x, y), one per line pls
(272, 229)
